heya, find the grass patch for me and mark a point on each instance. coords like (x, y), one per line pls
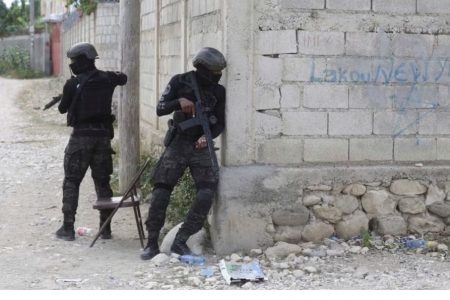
(182, 195)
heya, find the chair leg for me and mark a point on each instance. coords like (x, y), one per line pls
(139, 224)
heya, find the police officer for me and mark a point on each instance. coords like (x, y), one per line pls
(86, 99)
(187, 149)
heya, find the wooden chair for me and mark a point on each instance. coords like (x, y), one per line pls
(131, 198)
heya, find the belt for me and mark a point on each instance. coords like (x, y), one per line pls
(92, 126)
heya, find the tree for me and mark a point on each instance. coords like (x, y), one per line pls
(3, 13)
(15, 19)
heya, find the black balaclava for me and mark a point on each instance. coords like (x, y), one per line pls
(207, 77)
(82, 64)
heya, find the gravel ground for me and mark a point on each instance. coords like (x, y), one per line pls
(32, 143)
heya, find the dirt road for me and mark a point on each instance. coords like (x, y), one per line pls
(32, 143)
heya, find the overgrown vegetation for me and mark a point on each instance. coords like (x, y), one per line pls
(365, 238)
(15, 19)
(182, 195)
(86, 6)
(15, 62)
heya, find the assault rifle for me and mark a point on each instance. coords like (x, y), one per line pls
(201, 119)
(55, 100)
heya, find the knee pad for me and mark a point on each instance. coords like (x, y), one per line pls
(203, 201)
(205, 194)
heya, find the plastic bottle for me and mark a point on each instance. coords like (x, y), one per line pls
(192, 259)
(81, 231)
(415, 243)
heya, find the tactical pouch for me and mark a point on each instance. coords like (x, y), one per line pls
(170, 134)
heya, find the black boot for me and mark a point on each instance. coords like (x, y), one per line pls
(150, 251)
(106, 233)
(66, 232)
(179, 244)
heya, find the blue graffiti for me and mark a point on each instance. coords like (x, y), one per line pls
(388, 71)
(407, 73)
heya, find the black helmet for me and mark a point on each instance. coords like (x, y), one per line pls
(210, 58)
(85, 49)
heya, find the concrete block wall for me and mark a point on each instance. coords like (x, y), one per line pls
(147, 89)
(325, 93)
(101, 29)
(358, 83)
(184, 28)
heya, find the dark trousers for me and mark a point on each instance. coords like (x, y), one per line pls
(178, 156)
(81, 153)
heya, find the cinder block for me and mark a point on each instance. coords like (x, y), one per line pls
(269, 71)
(395, 123)
(307, 4)
(321, 43)
(325, 150)
(367, 44)
(417, 96)
(442, 49)
(347, 69)
(266, 124)
(415, 149)
(444, 96)
(375, 149)
(301, 69)
(443, 149)
(413, 45)
(267, 98)
(276, 42)
(325, 96)
(305, 123)
(350, 123)
(397, 6)
(433, 6)
(434, 122)
(269, 151)
(368, 96)
(348, 4)
(290, 96)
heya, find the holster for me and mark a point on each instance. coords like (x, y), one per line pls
(170, 134)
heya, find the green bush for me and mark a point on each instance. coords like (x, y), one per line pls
(86, 6)
(182, 195)
(15, 62)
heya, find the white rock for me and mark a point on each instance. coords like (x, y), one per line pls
(364, 250)
(160, 259)
(195, 281)
(310, 269)
(151, 284)
(311, 200)
(407, 187)
(283, 265)
(442, 248)
(255, 252)
(298, 273)
(281, 250)
(235, 257)
(355, 249)
(195, 242)
(335, 252)
(247, 286)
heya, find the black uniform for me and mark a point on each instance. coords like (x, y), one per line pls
(181, 153)
(89, 113)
